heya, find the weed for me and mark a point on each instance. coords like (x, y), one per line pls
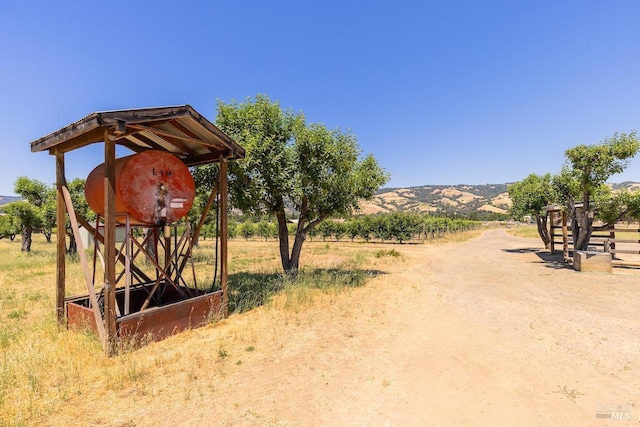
(384, 253)
(17, 314)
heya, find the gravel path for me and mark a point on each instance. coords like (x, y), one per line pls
(492, 331)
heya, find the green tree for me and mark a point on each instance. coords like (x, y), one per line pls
(9, 226)
(528, 197)
(587, 168)
(403, 225)
(315, 171)
(623, 206)
(266, 229)
(36, 194)
(80, 206)
(381, 227)
(246, 229)
(29, 217)
(325, 229)
(205, 178)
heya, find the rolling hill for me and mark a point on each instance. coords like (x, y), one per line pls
(8, 199)
(491, 198)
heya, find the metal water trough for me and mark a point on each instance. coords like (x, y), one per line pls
(156, 322)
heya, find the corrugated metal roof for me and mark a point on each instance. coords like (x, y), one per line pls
(180, 130)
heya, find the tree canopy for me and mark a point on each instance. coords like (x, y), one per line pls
(291, 165)
(587, 169)
(528, 197)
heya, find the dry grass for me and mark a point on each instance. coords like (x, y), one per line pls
(525, 230)
(44, 368)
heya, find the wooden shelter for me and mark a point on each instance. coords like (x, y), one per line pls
(179, 130)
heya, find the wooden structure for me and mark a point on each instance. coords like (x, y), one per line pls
(179, 130)
(557, 220)
(603, 239)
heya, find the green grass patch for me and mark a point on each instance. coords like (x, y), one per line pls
(384, 253)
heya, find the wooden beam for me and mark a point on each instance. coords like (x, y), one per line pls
(205, 212)
(224, 197)
(85, 267)
(168, 134)
(204, 159)
(565, 237)
(110, 243)
(82, 132)
(60, 240)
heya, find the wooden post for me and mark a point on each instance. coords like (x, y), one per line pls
(223, 235)
(110, 244)
(565, 237)
(612, 236)
(60, 240)
(552, 245)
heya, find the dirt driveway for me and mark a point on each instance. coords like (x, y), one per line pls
(486, 332)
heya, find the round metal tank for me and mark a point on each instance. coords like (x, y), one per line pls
(153, 187)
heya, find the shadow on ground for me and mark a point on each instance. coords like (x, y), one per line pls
(250, 290)
(549, 260)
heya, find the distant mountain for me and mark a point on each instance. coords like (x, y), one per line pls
(462, 199)
(491, 198)
(8, 199)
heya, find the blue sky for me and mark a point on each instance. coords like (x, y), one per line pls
(440, 92)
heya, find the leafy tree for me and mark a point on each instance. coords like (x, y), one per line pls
(9, 226)
(339, 229)
(314, 171)
(587, 168)
(325, 229)
(529, 196)
(612, 207)
(206, 178)
(381, 227)
(364, 227)
(29, 217)
(232, 229)
(266, 229)
(403, 225)
(36, 194)
(34, 191)
(246, 229)
(80, 206)
(353, 227)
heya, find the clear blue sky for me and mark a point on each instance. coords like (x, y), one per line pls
(441, 92)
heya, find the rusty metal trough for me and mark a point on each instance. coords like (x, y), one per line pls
(174, 315)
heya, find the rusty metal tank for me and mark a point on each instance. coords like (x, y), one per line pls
(154, 187)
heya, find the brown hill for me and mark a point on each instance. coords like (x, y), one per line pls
(444, 198)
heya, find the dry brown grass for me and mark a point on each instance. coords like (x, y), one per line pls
(44, 368)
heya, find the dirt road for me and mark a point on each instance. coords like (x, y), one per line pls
(486, 332)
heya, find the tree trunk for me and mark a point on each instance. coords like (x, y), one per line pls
(151, 242)
(581, 223)
(543, 230)
(196, 239)
(47, 235)
(585, 228)
(73, 246)
(283, 237)
(26, 238)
